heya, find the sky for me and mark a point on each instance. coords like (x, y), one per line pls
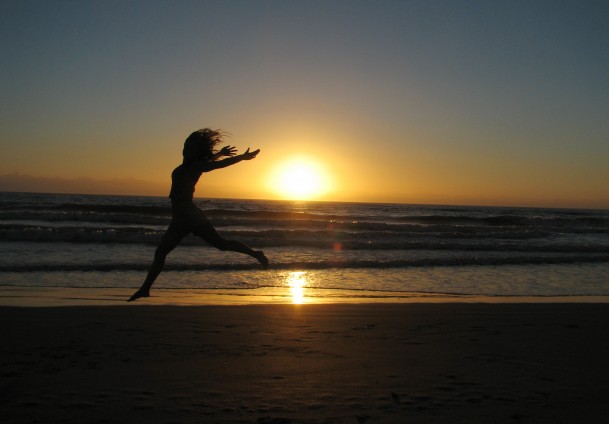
(440, 102)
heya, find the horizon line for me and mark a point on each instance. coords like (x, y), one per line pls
(471, 205)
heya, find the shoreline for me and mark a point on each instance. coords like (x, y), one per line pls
(60, 296)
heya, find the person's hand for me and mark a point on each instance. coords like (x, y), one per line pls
(250, 155)
(228, 151)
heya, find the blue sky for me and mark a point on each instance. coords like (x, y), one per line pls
(412, 101)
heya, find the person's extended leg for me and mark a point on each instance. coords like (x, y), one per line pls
(237, 246)
(209, 234)
(169, 241)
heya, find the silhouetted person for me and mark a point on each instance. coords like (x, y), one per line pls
(199, 156)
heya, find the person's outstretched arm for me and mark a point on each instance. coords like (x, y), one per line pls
(223, 163)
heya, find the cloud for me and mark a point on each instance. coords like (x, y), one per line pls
(83, 185)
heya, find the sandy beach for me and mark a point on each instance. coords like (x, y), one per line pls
(323, 363)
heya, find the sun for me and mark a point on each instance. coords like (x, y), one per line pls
(300, 179)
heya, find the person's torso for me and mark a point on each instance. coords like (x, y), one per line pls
(183, 181)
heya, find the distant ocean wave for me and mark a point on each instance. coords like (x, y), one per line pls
(135, 213)
(314, 265)
(509, 240)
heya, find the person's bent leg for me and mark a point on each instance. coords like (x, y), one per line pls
(169, 241)
(237, 246)
(211, 236)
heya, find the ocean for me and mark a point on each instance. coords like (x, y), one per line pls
(342, 249)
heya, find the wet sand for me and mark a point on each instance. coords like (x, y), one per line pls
(323, 363)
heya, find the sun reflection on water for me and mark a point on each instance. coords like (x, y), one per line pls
(297, 281)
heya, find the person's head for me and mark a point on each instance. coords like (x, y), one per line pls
(201, 143)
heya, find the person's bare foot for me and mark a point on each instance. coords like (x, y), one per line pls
(138, 294)
(264, 261)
